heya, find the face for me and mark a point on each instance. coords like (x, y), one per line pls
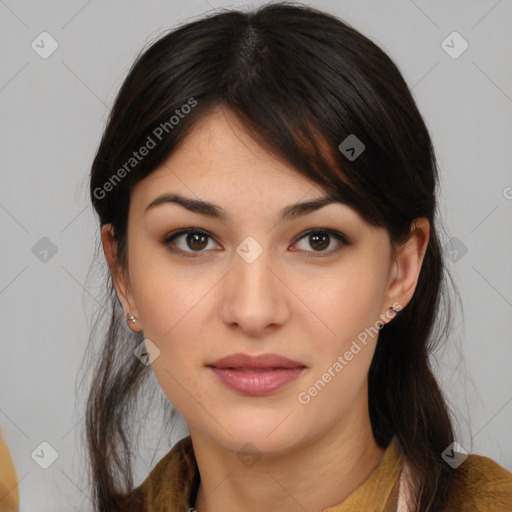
(303, 287)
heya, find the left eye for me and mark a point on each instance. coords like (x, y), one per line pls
(194, 240)
(319, 240)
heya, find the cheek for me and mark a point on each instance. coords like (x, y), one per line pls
(166, 294)
(175, 307)
(343, 332)
(171, 306)
(344, 303)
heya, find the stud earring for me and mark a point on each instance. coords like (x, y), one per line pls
(394, 310)
(131, 318)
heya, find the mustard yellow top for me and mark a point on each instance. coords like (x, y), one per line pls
(9, 493)
(479, 485)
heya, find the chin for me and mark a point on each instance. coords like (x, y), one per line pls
(267, 434)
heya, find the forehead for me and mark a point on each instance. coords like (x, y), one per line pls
(220, 141)
(219, 157)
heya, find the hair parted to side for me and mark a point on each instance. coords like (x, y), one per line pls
(301, 81)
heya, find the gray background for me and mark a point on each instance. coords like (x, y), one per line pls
(53, 112)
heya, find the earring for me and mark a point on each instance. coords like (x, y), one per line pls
(131, 318)
(395, 310)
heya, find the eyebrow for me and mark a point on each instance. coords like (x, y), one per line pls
(216, 212)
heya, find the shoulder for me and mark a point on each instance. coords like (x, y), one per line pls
(9, 491)
(480, 484)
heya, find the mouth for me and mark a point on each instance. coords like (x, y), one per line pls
(256, 375)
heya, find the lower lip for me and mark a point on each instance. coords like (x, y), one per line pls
(256, 383)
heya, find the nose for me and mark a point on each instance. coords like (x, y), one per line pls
(255, 298)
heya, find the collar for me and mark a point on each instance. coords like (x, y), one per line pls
(173, 483)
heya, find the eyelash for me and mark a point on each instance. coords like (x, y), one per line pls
(340, 237)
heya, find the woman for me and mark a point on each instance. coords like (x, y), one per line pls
(266, 191)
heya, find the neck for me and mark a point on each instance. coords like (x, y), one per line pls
(314, 476)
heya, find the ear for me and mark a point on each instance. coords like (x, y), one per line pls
(407, 264)
(119, 276)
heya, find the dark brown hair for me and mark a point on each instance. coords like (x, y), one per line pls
(301, 81)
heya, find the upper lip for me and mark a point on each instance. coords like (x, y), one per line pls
(255, 361)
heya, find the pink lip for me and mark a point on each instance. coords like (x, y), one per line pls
(256, 375)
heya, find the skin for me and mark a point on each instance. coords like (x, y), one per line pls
(199, 309)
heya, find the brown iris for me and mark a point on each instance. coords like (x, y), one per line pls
(197, 241)
(319, 240)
